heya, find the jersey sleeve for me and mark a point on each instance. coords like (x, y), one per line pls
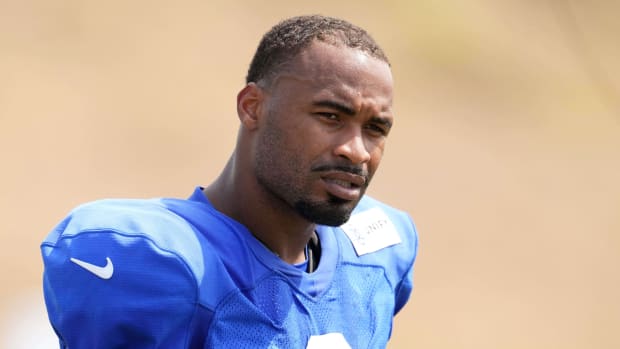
(116, 286)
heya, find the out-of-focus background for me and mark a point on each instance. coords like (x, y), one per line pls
(506, 149)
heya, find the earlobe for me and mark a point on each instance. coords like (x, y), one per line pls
(249, 104)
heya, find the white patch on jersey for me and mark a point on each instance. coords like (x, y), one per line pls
(370, 231)
(334, 340)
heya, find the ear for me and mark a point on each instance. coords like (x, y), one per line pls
(249, 105)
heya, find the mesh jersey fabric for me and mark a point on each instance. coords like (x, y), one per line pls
(186, 276)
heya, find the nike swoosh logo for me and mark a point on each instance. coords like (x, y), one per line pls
(104, 272)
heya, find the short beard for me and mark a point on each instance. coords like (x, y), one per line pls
(334, 212)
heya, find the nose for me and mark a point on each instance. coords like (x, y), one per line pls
(353, 147)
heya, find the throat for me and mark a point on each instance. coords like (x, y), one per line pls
(312, 254)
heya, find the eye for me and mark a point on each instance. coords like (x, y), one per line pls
(377, 129)
(329, 116)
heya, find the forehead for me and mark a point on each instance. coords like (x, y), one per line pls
(339, 71)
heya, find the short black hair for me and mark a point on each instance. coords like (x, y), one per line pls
(288, 38)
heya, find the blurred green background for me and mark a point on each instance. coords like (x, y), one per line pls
(506, 148)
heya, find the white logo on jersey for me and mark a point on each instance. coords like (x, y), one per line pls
(104, 272)
(333, 340)
(370, 231)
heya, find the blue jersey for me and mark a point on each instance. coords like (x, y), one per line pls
(171, 273)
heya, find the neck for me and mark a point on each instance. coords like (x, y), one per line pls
(237, 194)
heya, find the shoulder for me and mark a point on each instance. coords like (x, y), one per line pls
(132, 217)
(381, 235)
(127, 221)
(162, 231)
(116, 260)
(136, 235)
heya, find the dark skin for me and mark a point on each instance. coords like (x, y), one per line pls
(309, 143)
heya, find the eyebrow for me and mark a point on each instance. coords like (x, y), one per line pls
(349, 111)
(335, 105)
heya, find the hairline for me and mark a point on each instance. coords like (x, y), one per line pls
(332, 39)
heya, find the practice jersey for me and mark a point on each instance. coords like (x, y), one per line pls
(173, 273)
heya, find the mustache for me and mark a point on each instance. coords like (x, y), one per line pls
(356, 170)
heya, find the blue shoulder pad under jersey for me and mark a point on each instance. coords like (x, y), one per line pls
(124, 273)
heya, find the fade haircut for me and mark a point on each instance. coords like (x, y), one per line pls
(288, 38)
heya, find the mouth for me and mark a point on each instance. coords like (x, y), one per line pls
(343, 185)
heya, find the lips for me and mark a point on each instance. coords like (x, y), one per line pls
(346, 186)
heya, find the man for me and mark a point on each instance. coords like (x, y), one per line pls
(282, 250)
